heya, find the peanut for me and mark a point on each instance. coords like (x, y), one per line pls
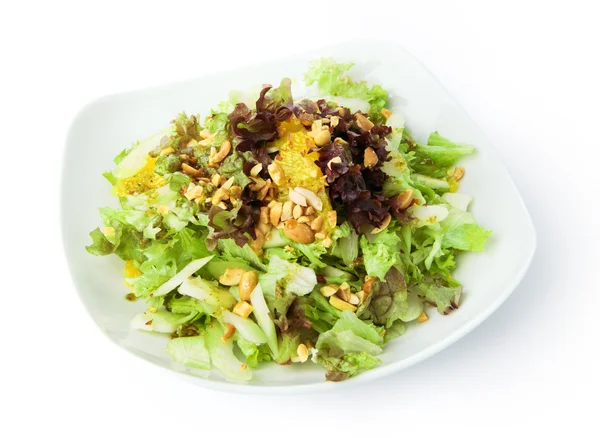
(302, 352)
(243, 309)
(332, 218)
(298, 232)
(256, 170)
(386, 113)
(276, 173)
(323, 138)
(329, 290)
(247, 283)
(190, 170)
(310, 197)
(229, 332)
(405, 199)
(363, 123)
(297, 211)
(264, 215)
(220, 156)
(371, 158)
(317, 224)
(297, 198)
(275, 214)
(341, 304)
(257, 244)
(386, 221)
(286, 211)
(231, 276)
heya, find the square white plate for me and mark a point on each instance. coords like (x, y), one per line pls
(106, 126)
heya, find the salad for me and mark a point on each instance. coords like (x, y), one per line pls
(289, 230)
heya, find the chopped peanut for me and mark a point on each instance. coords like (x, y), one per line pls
(227, 184)
(332, 218)
(302, 352)
(297, 211)
(286, 212)
(405, 199)
(257, 244)
(275, 213)
(231, 276)
(371, 158)
(243, 309)
(264, 214)
(220, 156)
(386, 221)
(229, 331)
(256, 170)
(248, 282)
(297, 198)
(386, 113)
(317, 223)
(341, 304)
(310, 197)
(329, 290)
(363, 123)
(276, 173)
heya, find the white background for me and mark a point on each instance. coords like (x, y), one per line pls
(527, 73)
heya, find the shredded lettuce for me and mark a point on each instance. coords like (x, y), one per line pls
(190, 351)
(331, 80)
(381, 241)
(349, 347)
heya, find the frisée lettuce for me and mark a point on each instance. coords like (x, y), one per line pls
(290, 230)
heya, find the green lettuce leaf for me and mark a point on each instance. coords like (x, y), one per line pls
(253, 353)
(100, 244)
(214, 297)
(348, 365)
(231, 251)
(222, 356)
(397, 329)
(190, 351)
(345, 243)
(331, 80)
(461, 232)
(438, 155)
(445, 298)
(380, 252)
(133, 160)
(349, 347)
(160, 321)
(311, 252)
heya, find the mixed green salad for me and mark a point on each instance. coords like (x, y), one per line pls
(282, 230)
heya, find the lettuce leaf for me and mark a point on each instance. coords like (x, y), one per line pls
(387, 301)
(380, 252)
(445, 298)
(190, 351)
(253, 353)
(345, 243)
(222, 356)
(349, 347)
(460, 231)
(331, 79)
(231, 251)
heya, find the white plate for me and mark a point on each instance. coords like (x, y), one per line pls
(106, 126)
